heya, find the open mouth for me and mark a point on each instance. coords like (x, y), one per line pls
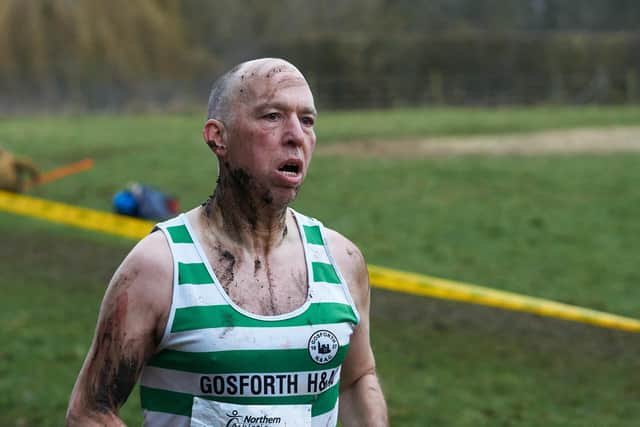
(290, 168)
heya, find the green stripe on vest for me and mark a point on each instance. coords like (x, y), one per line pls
(153, 399)
(224, 316)
(193, 273)
(171, 402)
(243, 361)
(324, 273)
(313, 234)
(179, 234)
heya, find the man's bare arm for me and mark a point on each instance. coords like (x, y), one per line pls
(361, 399)
(131, 322)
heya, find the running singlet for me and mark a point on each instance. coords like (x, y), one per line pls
(220, 365)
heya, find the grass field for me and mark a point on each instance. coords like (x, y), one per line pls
(555, 227)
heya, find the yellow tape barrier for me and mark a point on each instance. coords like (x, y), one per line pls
(417, 284)
(381, 277)
(72, 215)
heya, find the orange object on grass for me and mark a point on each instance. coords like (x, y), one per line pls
(61, 172)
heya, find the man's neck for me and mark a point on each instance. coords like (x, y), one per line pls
(245, 218)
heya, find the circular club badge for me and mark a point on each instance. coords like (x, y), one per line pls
(323, 346)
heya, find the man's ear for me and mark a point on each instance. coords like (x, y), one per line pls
(214, 136)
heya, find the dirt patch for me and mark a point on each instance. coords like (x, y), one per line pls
(574, 141)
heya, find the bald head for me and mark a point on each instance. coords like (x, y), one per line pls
(227, 88)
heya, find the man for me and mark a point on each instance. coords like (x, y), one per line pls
(242, 311)
(13, 170)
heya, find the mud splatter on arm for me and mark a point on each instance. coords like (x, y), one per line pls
(127, 335)
(117, 359)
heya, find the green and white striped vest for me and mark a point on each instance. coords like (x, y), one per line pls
(212, 349)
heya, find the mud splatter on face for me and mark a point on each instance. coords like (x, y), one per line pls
(276, 70)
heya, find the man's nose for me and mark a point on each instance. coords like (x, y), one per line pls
(294, 133)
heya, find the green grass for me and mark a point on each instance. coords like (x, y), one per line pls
(57, 277)
(451, 364)
(552, 227)
(556, 227)
(141, 147)
(85, 132)
(412, 123)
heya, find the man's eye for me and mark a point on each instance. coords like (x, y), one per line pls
(308, 121)
(272, 116)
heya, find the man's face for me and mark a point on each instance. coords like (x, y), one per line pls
(271, 137)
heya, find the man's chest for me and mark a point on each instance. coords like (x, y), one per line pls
(266, 285)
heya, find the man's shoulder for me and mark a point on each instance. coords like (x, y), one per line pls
(334, 237)
(339, 244)
(150, 258)
(346, 253)
(339, 240)
(144, 279)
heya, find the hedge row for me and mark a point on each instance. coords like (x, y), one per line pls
(473, 68)
(360, 72)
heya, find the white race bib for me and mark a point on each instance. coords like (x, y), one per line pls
(209, 413)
